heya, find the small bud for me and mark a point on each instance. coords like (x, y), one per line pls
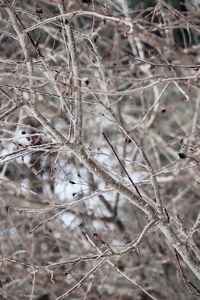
(87, 1)
(85, 81)
(181, 141)
(94, 37)
(72, 182)
(163, 110)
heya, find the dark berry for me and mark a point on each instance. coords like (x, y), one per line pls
(39, 11)
(182, 155)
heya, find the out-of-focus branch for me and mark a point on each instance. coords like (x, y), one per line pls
(76, 76)
(70, 15)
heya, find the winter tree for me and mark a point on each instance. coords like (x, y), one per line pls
(99, 153)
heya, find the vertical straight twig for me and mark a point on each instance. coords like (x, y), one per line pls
(75, 70)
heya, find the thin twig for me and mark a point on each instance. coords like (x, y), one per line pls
(111, 146)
